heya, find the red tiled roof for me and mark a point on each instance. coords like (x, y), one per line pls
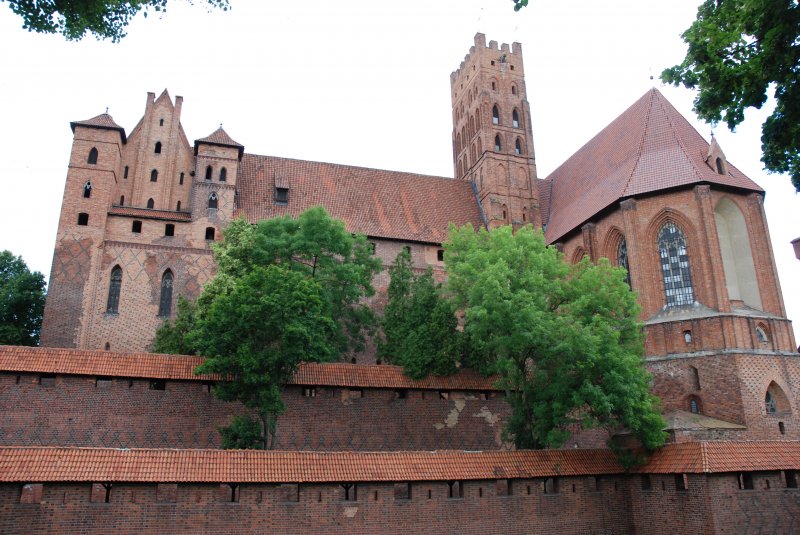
(219, 137)
(248, 466)
(45, 464)
(149, 213)
(650, 147)
(385, 204)
(181, 367)
(103, 120)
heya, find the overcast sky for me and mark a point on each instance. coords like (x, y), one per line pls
(362, 83)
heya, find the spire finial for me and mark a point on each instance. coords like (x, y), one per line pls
(106, 109)
(220, 125)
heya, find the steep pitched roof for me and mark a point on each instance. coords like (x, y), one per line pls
(650, 147)
(102, 121)
(386, 204)
(221, 138)
(181, 367)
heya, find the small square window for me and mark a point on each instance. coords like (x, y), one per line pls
(440, 255)
(83, 219)
(169, 229)
(158, 384)
(281, 195)
(136, 227)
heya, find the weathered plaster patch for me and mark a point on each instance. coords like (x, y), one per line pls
(452, 418)
(350, 512)
(487, 415)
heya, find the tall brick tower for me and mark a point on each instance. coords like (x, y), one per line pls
(92, 179)
(492, 137)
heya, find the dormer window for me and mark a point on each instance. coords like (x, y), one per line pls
(281, 196)
(720, 166)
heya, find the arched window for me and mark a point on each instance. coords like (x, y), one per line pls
(114, 287)
(158, 147)
(122, 200)
(209, 171)
(515, 118)
(494, 85)
(210, 232)
(495, 115)
(720, 168)
(153, 176)
(761, 334)
(87, 190)
(92, 156)
(212, 200)
(178, 207)
(150, 203)
(513, 89)
(480, 146)
(125, 173)
(695, 406)
(223, 175)
(675, 266)
(518, 147)
(622, 259)
(775, 400)
(165, 302)
(497, 145)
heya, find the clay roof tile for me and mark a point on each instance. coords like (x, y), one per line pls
(221, 138)
(102, 121)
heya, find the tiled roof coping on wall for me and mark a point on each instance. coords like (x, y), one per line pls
(44, 464)
(149, 213)
(181, 367)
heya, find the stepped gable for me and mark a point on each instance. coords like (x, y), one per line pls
(650, 147)
(220, 138)
(378, 203)
(181, 367)
(102, 121)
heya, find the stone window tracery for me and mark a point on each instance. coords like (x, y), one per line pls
(675, 266)
(622, 259)
(114, 289)
(165, 302)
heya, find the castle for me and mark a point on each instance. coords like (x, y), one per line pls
(98, 432)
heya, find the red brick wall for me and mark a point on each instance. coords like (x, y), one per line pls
(79, 411)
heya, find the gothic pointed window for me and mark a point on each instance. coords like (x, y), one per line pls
(153, 176)
(495, 115)
(150, 203)
(158, 147)
(165, 302)
(223, 175)
(515, 118)
(518, 147)
(209, 172)
(178, 207)
(622, 259)
(87, 190)
(213, 201)
(497, 145)
(114, 288)
(92, 156)
(675, 266)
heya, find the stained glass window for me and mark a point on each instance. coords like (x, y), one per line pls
(165, 303)
(675, 266)
(112, 306)
(622, 259)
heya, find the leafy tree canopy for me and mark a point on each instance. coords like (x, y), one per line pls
(106, 19)
(565, 339)
(21, 301)
(287, 291)
(420, 327)
(738, 51)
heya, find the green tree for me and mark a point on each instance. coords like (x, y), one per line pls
(255, 335)
(419, 326)
(287, 290)
(21, 301)
(105, 19)
(564, 339)
(739, 50)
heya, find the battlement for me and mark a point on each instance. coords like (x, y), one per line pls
(481, 50)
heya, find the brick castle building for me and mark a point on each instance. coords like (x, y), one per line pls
(140, 211)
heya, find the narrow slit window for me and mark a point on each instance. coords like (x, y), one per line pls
(114, 289)
(180, 180)
(92, 159)
(495, 115)
(122, 200)
(178, 206)
(87, 190)
(165, 302)
(223, 175)
(125, 172)
(515, 118)
(209, 172)
(497, 145)
(153, 176)
(518, 147)
(622, 260)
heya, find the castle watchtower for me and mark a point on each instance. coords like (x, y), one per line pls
(492, 136)
(214, 184)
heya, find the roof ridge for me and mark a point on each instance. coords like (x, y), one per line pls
(635, 166)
